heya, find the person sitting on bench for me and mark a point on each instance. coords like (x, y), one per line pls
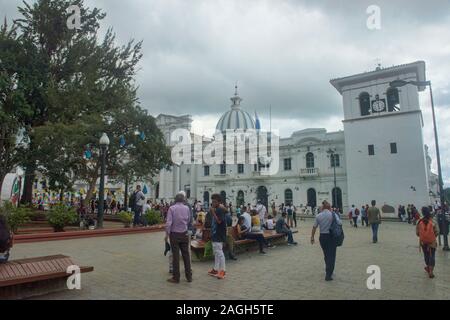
(270, 223)
(282, 227)
(244, 233)
(6, 240)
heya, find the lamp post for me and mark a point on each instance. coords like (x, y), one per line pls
(104, 143)
(331, 152)
(401, 83)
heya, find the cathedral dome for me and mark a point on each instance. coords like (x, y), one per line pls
(235, 118)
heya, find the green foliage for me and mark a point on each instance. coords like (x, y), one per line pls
(153, 217)
(447, 195)
(61, 216)
(126, 218)
(15, 217)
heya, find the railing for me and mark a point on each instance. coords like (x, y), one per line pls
(309, 172)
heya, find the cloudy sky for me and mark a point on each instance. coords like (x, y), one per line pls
(282, 53)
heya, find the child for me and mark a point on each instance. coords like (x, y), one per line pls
(270, 223)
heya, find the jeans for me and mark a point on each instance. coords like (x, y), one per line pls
(259, 238)
(137, 215)
(375, 231)
(365, 220)
(180, 241)
(329, 247)
(219, 257)
(288, 233)
(355, 222)
(429, 255)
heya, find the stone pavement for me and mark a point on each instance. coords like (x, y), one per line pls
(134, 267)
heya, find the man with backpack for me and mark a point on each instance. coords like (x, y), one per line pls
(137, 202)
(427, 231)
(325, 220)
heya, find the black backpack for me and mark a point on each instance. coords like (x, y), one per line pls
(336, 231)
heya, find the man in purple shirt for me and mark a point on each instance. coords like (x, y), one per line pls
(177, 222)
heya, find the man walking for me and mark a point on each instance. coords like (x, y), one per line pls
(218, 235)
(353, 214)
(324, 220)
(178, 219)
(262, 212)
(374, 216)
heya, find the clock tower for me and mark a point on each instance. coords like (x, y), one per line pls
(385, 152)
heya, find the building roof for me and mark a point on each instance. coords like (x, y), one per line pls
(417, 67)
(236, 118)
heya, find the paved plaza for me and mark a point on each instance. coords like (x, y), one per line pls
(134, 267)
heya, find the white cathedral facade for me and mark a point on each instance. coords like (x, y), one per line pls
(379, 156)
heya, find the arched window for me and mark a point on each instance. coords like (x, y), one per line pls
(337, 198)
(393, 100)
(240, 200)
(288, 196)
(364, 104)
(309, 160)
(311, 198)
(223, 194)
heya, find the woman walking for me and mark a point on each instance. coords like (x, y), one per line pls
(427, 232)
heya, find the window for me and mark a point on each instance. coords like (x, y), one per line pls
(335, 161)
(309, 160)
(371, 150)
(206, 171)
(287, 164)
(288, 197)
(393, 100)
(223, 169)
(364, 104)
(393, 148)
(223, 195)
(255, 167)
(240, 168)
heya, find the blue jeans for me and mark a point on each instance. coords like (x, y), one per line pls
(288, 232)
(375, 231)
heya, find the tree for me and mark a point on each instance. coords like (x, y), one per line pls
(13, 105)
(77, 88)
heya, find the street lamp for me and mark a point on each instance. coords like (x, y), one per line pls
(331, 152)
(401, 83)
(104, 143)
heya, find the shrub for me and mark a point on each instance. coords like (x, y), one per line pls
(60, 216)
(15, 217)
(153, 217)
(126, 218)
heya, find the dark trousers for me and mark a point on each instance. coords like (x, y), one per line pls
(375, 232)
(259, 238)
(355, 222)
(288, 233)
(365, 220)
(429, 255)
(180, 241)
(295, 219)
(329, 247)
(137, 215)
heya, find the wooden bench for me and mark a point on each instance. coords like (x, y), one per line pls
(20, 279)
(198, 246)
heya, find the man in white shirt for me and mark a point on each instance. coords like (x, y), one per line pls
(247, 220)
(262, 211)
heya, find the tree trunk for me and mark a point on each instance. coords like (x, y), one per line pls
(92, 184)
(126, 195)
(27, 196)
(2, 177)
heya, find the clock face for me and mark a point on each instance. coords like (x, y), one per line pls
(378, 106)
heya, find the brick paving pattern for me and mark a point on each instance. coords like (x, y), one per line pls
(134, 267)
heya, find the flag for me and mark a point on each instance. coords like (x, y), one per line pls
(257, 122)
